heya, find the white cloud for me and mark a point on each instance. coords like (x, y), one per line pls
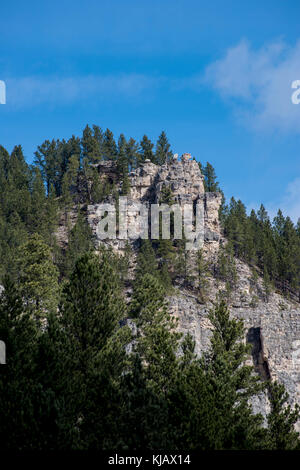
(258, 84)
(32, 91)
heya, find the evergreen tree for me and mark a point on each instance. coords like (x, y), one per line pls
(282, 418)
(232, 384)
(91, 151)
(162, 152)
(79, 242)
(91, 309)
(158, 340)
(18, 182)
(48, 159)
(146, 261)
(210, 178)
(122, 164)
(226, 266)
(98, 189)
(18, 420)
(69, 182)
(146, 150)
(38, 277)
(132, 153)
(109, 147)
(38, 203)
(52, 216)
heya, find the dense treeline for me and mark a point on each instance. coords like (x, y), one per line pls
(272, 247)
(63, 163)
(77, 376)
(32, 197)
(85, 380)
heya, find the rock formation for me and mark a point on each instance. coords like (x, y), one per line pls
(185, 180)
(272, 327)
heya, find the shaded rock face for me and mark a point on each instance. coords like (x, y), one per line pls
(185, 180)
(273, 333)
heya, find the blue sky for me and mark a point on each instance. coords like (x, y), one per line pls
(216, 76)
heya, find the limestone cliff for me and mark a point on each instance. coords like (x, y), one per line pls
(272, 326)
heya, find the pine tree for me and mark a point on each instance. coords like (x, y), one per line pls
(17, 191)
(48, 159)
(38, 277)
(210, 178)
(146, 261)
(18, 420)
(146, 150)
(38, 203)
(92, 307)
(98, 188)
(69, 182)
(232, 384)
(109, 147)
(79, 242)
(132, 154)
(226, 266)
(122, 165)
(91, 151)
(162, 152)
(281, 434)
(157, 344)
(143, 302)
(52, 216)
(92, 302)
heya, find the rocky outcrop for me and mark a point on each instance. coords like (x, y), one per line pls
(272, 325)
(185, 180)
(272, 330)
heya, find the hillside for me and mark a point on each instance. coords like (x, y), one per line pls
(272, 320)
(98, 318)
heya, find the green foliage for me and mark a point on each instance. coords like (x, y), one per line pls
(92, 306)
(273, 247)
(226, 266)
(210, 179)
(202, 274)
(123, 164)
(38, 277)
(80, 379)
(162, 152)
(18, 424)
(232, 383)
(91, 144)
(146, 261)
(158, 339)
(109, 146)
(281, 433)
(146, 150)
(79, 242)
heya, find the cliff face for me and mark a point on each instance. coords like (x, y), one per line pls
(185, 180)
(272, 327)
